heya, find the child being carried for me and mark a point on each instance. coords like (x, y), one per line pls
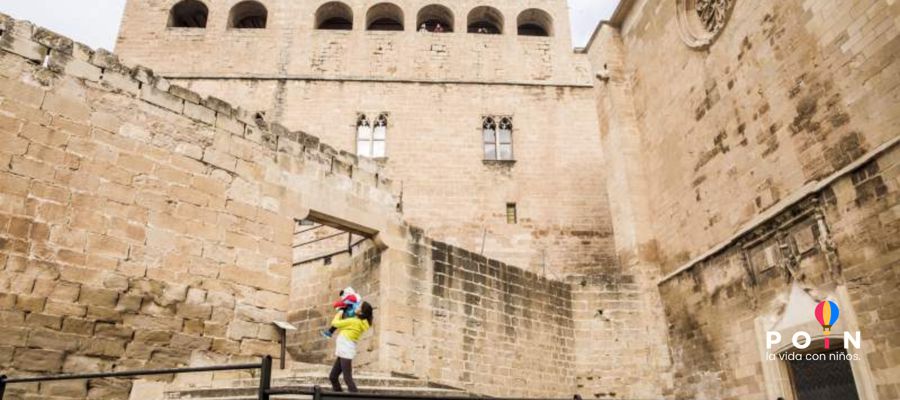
(348, 305)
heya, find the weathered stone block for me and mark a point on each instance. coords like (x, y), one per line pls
(78, 326)
(238, 329)
(199, 113)
(98, 297)
(24, 47)
(13, 336)
(129, 303)
(109, 389)
(254, 347)
(220, 159)
(50, 340)
(184, 93)
(119, 81)
(81, 364)
(227, 124)
(163, 99)
(65, 309)
(30, 303)
(71, 389)
(38, 360)
(106, 330)
(219, 105)
(189, 342)
(71, 107)
(195, 311)
(103, 347)
(80, 69)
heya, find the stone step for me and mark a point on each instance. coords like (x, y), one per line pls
(250, 393)
(321, 380)
(244, 386)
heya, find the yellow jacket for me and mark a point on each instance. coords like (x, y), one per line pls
(351, 328)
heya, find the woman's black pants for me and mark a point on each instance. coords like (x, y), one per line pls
(346, 366)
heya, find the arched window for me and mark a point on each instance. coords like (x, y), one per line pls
(371, 136)
(485, 20)
(535, 22)
(497, 138)
(435, 18)
(384, 17)
(188, 14)
(334, 16)
(248, 15)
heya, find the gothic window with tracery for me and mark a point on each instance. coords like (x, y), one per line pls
(497, 138)
(713, 13)
(371, 136)
(701, 21)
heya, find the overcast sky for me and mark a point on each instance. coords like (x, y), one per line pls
(96, 22)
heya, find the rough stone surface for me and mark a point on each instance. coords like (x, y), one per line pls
(673, 201)
(761, 164)
(457, 78)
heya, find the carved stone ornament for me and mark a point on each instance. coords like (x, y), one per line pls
(701, 21)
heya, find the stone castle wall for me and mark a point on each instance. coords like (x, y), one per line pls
(436, 88)
(457, 318)
(290, 46)
(843, 246)
(434, 147)
(498, 329)
(788, 94)
(762, 164)
(461, 319)
(143, 226)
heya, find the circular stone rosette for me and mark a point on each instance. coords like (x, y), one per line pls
(701, 21)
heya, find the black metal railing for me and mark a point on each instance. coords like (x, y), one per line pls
(265, 382)
(348, 249)
(318, 394)
(264, 366)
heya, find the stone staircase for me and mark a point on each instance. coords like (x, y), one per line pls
(243, 386)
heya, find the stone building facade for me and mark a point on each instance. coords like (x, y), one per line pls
(435, 90)
(699, 174)
(760, 181)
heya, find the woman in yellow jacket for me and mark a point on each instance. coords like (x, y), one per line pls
(350, 330)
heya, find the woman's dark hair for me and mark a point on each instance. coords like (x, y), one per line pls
(367, 312)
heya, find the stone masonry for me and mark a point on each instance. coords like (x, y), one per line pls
(436, 88)
(148, 226)
(697, 175)
(766, 172)
(142, 226)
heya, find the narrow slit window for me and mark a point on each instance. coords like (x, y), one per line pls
(511, 214)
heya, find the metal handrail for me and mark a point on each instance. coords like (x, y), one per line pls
(265, 382)
(310, 229)
(322, 238)
(336, 253)
(265, 378)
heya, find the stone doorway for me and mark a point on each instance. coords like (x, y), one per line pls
(328, 255)
(822, 374)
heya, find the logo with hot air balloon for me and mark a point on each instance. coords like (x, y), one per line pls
(827, 313)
